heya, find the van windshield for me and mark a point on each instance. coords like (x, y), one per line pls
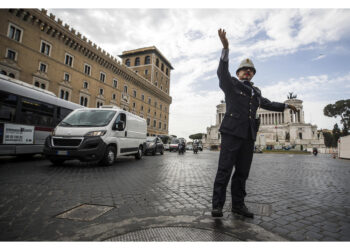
(175, 141)
(88, 118)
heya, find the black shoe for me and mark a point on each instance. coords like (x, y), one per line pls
(242, 210)
(216, 212)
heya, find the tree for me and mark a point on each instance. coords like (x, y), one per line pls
(328, 139)
(291, 96)
(196, 136)
(336, 134)
(340, 108)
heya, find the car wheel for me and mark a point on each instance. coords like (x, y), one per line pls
(138, 155)
(162, 152)
(57, 161)
(109, 156)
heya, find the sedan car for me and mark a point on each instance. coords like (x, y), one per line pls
(154, 145)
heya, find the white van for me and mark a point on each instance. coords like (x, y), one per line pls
(97, 134)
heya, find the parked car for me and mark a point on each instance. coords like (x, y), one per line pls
(189, 147)
(154, 145)
(97, 134)
(174, 145)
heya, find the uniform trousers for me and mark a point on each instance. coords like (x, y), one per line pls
(236, 152)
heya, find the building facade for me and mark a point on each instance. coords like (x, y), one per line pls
(277, 129)
(39, 49)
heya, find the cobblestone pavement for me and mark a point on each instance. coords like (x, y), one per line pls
(295, 197)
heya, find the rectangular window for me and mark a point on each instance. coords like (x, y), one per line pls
(143, 97)
(15, 33)
(102, 77)
(149, 100)
(86, 85)
(146, 71)
(115, 83)
(113, 96)
(134, 92)
(101, 92)
(69, 60)
(148, 121)
(141, 107)
(154, 123)
(43, 67)
(87, 69)
(11, 54)
(66, 77)
(134, 105)
(159, 125)
(45, 48)
(125, 89)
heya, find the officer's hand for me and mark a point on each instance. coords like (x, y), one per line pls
(292, 107)
(222, 35)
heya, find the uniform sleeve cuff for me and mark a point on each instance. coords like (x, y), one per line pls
(224, 55)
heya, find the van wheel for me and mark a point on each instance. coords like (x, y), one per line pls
(138, 155)
(162, 152)
(109, 156)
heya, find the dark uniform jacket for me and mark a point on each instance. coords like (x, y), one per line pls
(241, 105)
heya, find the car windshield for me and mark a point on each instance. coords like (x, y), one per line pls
(175, 141)
(151, 139)
(88, 118)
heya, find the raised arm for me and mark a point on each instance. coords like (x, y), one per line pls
(224, 75)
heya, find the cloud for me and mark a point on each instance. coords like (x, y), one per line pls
(319, 57)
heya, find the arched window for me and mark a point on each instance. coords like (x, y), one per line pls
(3, 72)
(12, 75)
(43, 86)
(125, 89)
(157, 62)
(37, 84)
(147, 60)
(162, 68)
(127, 62)
(137, 61)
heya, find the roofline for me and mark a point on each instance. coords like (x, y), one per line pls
(145, 50)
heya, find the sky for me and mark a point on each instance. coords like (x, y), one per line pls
(301, 50)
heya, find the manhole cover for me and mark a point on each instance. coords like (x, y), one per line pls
(85, 212)
(173, 234)
(258, 208)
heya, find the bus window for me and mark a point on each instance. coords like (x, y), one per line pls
(8, 103)
(36, 113)
(62, 113)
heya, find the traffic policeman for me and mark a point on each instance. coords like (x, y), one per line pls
(238, 131)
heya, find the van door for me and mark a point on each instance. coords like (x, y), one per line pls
(125, 144)
(121, 134)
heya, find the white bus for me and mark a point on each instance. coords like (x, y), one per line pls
(28, 115)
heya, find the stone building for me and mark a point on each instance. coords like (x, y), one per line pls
(39, 49)
(277, 129)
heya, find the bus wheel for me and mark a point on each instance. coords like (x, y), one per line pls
(57, 161)
(109, 156)
(138, 155)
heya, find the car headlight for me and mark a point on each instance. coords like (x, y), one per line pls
(150, 144)
(53, 132)
(96, 133)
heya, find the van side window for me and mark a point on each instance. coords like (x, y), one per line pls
(121, 117)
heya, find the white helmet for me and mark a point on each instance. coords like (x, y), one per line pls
(246, 63)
